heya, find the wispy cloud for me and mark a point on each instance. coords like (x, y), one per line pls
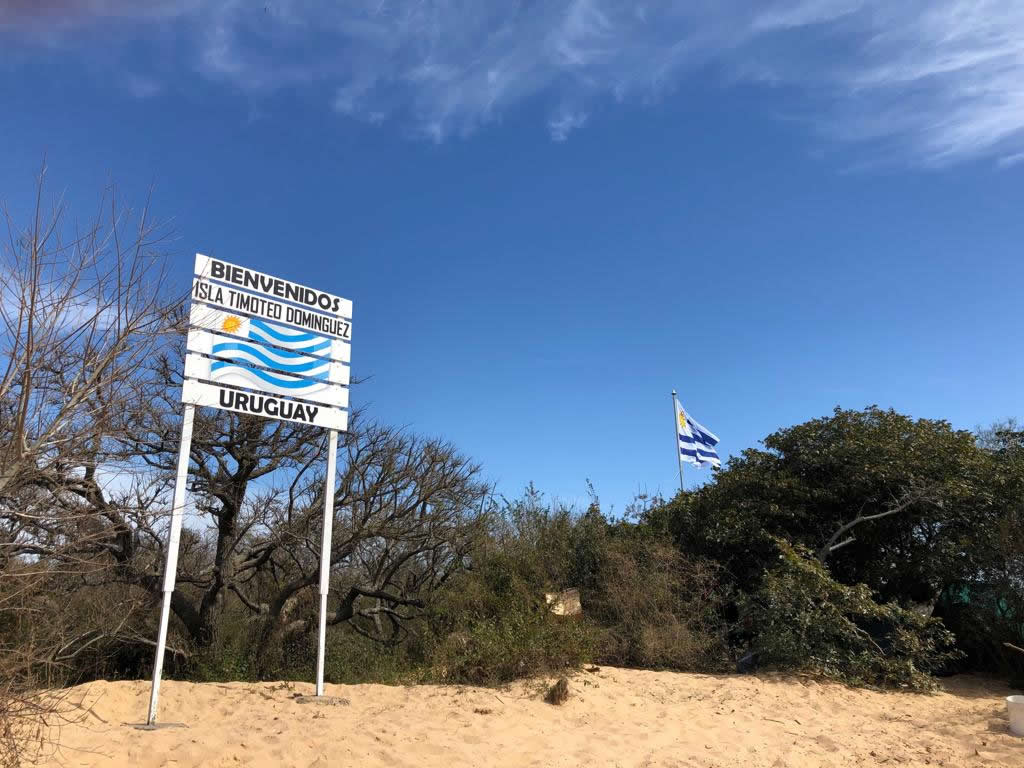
(1010, 160)
(141, 86)
(564, 122)
(937, 81)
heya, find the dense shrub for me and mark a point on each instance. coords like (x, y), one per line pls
(653, 607)
(984, 617)
(492, 625)
(812, 479)
(352, 658)
(228, 655)
(801, 619)
(986, 610)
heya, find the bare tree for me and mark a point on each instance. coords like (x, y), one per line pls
(409, 512)
(81, 310)
(406, 509)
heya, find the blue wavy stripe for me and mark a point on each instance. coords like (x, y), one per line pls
(271, 378)
(280, 334)
(311, 349)
(706, 455)
(259, 354)
(698, 438)
(692, 449)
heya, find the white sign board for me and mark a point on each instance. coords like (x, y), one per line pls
(266, 346)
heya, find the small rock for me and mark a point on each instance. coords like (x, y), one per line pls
(558, 693)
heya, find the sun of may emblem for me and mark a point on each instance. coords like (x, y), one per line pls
(682, 419)
(231, 324)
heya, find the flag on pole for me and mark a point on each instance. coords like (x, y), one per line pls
(696, 442)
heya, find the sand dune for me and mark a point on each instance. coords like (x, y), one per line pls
(615, 717)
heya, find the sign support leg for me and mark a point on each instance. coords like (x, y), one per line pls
(170, 569)
(325, 555)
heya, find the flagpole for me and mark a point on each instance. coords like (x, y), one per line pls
(675, 439)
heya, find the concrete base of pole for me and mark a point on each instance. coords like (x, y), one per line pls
(155, 726)
(324, 701)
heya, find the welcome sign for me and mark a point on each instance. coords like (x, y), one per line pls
(262, 345)
(269, 347)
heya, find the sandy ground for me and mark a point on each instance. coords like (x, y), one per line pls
(614, 717)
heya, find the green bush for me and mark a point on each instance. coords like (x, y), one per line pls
(802, 620)
(352, 658)
(491, 626)
(228, 657)
(985, 616)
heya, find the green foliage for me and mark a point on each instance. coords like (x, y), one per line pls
(228, 656)
(739, 564)
(802, 619)
(550, 546)
(492, 626)
(984, 617)
(961, 528)
(986, 608)
(813, 478)
(352, 658)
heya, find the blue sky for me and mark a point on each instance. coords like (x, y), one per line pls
(549, 214)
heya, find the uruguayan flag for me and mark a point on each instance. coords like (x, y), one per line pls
(696, 443)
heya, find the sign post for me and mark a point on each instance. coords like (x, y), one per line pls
(325, 557)
(268, 347)
(171, 568)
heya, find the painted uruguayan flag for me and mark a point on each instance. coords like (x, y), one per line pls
(696, 443)
(265, 332)
(290, 353)
(287, 338)
(262, 355)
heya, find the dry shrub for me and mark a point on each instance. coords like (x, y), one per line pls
(23, 655)
(59, 625)
(22, 724)
(655, 607)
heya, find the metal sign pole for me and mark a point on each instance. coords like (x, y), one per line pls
(325, 555)
(170, 569)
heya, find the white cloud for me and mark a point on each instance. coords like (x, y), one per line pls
(1011, 160)
(565, 122)
(936, 80)
(803, 13)
(141, 86)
